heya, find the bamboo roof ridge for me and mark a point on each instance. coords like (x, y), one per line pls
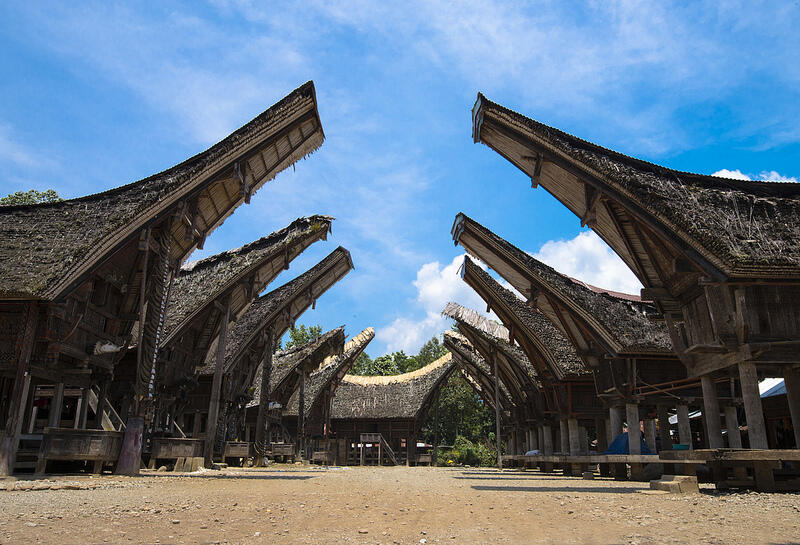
(475, 370)
(47, 248)
(200, 283)
(287, 364)
(279, 308)
(622, 322)
(402, 396)
(331, 372)
(552, 346)
(733, 228)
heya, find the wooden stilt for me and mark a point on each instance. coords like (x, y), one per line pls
(563, 428)
(634, 429)
(732, 427)
(301, 417)
(615, 423)
(216, 386)
(711, 411)
(22, 381)
(664, 428)
(684, 426)
(756, 429)
(498, 441)
(436, 431)
(56, 405)
(574, 437)
(262, 438)
(547, 440)
(791, 378)
(650, 434)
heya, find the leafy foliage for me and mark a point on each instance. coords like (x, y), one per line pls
(30, 197)
(298, 336)
(466, 452)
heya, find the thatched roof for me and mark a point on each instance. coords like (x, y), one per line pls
(281, 307)
(45, 248)
(552, 347)
(390, 397)
(330, 373)
(475, 369)
(736, 228)
(284, 378)
(621, 322)
(200, 283)
(492, 334)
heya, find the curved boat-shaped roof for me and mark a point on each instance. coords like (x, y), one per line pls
(45, 249)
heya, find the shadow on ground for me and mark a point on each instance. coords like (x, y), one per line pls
(550, 489)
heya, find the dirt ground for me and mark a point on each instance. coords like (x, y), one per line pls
(394, 505)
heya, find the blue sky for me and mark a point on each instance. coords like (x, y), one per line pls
(103, 94)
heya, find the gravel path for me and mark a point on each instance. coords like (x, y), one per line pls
(383, 505)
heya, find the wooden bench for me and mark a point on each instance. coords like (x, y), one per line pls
(238, 450)
(323, 457)
(172, 448)
(98, 446)
(578, 464)
(762, 463)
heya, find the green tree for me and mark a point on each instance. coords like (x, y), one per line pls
(430, 352)
(298, 336)
(362, 365)
(30, 197)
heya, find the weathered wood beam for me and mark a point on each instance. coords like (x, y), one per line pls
(216, 387)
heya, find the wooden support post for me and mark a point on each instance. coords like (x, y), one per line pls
(56, 405)
(301, 417)
(732, 427)
(540, 433)
(684, 426)
(31, 408)
(711, 411)
(84, 412)
(664, 427)
(634, 430)
(583, 433)
(756, 429)
(196, 424)
(650, 434)
(262, 437)
(600, 433)
(435, 430)
(615, 423)
(498, 441)
(130, 457)
(547, 440)
(102, 399)
(22, 382)
(216, 386)
(574, 437)
(791, 379)
(563, 429)
(534, 439)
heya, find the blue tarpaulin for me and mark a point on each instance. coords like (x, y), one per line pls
(620, 445)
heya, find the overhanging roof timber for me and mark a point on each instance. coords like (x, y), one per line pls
(47, 249)
(661, 222)
(476, 371)
(287, 365)
(598, 322)
(238, 275)
(394, 397)
(279, 309)
(516, 372)
(330, 374)
(551, 352)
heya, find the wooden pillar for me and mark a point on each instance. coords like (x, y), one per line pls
(540, 433)
(732, 427)
(711, 411)
(83, 414)
(756, 429)
(684, 426)
(601, 434)
(216, 386)
(262, 437)
(650, 434)
(615, 423)
(497, 414)
(634, 430)
(301, 417)
(102, 399)
(563, 429)
(56, 405)
(435, 430)
(583, 434)
(533, 443)
(30, 418)
(547, 440)
(196, 423)
(19, 395)
(664, 427)
(791, 379)
(574, 437)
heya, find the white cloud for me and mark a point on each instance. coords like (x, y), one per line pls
(733, 174)
(587, 258)
(13, 151)
(436, 285)
(766, 175)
